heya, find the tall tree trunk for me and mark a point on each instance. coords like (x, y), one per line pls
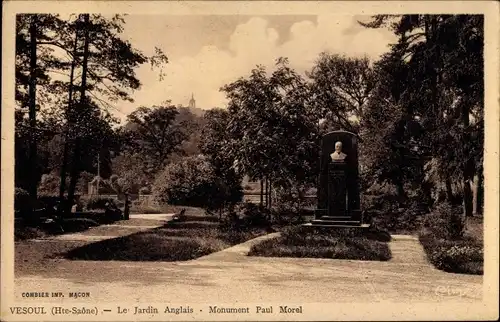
(261, 192)
(400, 191)
(33, 162)
(427, 192)
(479, 194)
(467, 199)
(75, 172)
(299, 203)
(269, 204)
(64, 164)
(267, 191)
(449, 191)
(467, 165)
(62, 173)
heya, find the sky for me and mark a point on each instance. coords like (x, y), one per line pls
(209, 51)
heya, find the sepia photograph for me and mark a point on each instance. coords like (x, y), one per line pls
(248, 160)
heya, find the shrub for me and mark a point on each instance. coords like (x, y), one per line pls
(448, 258)
(285, 217)
(138, 247)
(293, 204)
(253, 215)
(338, 243)
(193, 182)
(457, 256)
(385, 211)
(24, 233)
(22, 200)
(233, 236)
(99, 203)
(50, 182)
(445, 244)
(48, 204)
(145, 190)
(445, 223)
(26, 208)
(144, 209)
(292, 199)
(298, 235)
(77, 224)
(244, 217)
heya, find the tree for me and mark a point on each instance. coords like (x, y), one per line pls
(132, 171)
(193, 182)
(101, 69)
(190, 122)
(296, 130)
(391, 133)
(82, 104)
(32, 104)
(33, 64)
(444, 54)
(214, 140)
(340, 89)
(153, 133)
(107, 70)
(215, 137)
(250, 107)
(272, 130)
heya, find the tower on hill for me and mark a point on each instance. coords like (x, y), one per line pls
(192, 102)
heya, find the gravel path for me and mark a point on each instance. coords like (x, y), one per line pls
(229, 276)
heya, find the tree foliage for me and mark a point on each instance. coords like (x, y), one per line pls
(213, 141)
(193, 182)
(67, 73)
(340, 89)
(154, 133)
(436, 72)
(272, 132)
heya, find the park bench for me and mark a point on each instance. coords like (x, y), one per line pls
(180, 215)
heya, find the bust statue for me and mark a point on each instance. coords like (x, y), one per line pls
(338, 155)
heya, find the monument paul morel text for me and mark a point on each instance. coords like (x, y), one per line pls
(338, 183)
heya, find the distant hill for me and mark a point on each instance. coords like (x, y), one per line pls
(194, 110)
(197, 111)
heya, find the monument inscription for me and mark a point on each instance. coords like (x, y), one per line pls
(337, 191)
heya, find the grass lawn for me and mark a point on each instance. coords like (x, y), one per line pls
(163, 209)
(66, 226)
(26, 233)
(195, 236)
(397, 223)
(474, 228)
(340, 243)
(32, 257)
(464, 255)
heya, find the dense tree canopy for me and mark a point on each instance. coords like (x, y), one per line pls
(418, 110)
(272, 132)
(437, 72)
(66, 73)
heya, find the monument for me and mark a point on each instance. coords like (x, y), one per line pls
(338, 184)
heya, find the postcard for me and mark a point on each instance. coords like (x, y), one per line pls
(249, 160)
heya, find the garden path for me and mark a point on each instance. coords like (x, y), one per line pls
(230, 276)
(120, 229)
